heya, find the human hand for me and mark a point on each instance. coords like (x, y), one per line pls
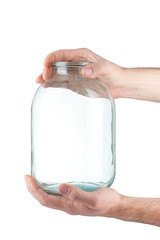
(103, 202)
(109, 73)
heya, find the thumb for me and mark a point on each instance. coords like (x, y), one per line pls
(97, 69)
(75, 194)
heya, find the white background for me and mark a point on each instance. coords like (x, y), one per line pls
(123, 31)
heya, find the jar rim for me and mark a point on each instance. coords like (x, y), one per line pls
(69, 64)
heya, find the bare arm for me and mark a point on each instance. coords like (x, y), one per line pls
(143, 210)
(142, 83)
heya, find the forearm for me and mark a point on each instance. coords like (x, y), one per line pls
(143, 210)
(142, 83)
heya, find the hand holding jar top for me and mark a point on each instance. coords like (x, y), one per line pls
(109, 73)
(137, 83)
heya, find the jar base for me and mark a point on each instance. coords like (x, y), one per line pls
(52, 188)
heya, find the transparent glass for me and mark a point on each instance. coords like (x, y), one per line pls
(72, 131)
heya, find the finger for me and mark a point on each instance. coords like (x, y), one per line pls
(46, 72)
(80, 54)
(51, 201)
(75, 194)
(40, 79)
(97, 69)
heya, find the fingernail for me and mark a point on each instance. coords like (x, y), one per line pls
(88, 71)
(44, 73)
(63, 189)
(44, 76)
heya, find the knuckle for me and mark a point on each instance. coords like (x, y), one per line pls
(84, 52)
(75, 196)
(48, 56)
(61, 53)
(43, 202)
(85, 49)
(58, 51)
(95, 204)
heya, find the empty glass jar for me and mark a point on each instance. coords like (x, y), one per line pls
(72, 131)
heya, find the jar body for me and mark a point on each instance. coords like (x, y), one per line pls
(72, 132)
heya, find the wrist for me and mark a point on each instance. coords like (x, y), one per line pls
(116, 208)
(130, 86)
(126, 209)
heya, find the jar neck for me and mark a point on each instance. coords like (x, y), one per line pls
(67, 68)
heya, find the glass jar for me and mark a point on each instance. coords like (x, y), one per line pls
(72, 131)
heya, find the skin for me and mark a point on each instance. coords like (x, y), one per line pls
(137, 83)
